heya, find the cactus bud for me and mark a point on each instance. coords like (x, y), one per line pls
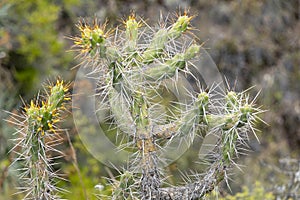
(180, 26)
(92, 38)
(132, 31)
(246, 111)
(42, 119)
(202, 102)
(231, 100)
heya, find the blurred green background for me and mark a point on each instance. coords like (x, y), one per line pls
(253, 42)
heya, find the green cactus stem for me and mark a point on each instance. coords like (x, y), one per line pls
(170, 67)
(156, 47)
(39, 133)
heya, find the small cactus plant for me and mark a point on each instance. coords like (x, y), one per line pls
(37, 139)
(135, 62)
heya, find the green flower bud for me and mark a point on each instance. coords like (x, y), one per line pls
(132, 28)
(180, 26)
(245, 110)
(231, 100)
(92, 39)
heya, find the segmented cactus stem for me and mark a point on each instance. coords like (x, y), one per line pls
(39, 134)
(135, 62)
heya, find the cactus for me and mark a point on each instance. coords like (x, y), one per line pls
(135, 61)
(39, 135)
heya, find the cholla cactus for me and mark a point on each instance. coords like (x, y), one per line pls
(38, 135)
(136, 64)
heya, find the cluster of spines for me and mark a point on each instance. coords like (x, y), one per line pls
(92, 37)
(39, 134)
(132, 69)
(43, 118)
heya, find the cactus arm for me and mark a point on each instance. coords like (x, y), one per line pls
(40, 124)
(119, 107)
(240, 115)
(170, 67)
(196, 189)
(157, 45)
(189, 121)
(139, 110)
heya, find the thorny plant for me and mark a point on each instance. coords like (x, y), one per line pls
(137, 64)
(38, 136)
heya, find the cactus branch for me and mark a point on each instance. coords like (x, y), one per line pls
(39, 136)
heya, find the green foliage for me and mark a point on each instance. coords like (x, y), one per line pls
(38, 33)
(84, 182)
(258, 192)
(4, 34)
(7, 102)
(40, 48)
(79, 187)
